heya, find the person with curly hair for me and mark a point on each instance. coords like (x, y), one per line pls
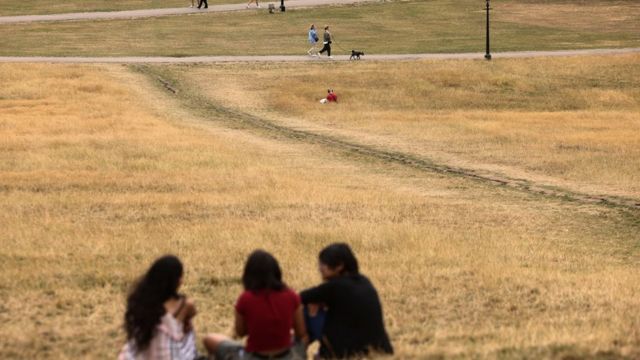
(159, 320)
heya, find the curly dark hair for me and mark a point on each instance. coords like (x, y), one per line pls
(145, 303)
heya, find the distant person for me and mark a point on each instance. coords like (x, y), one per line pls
(313, 40)
(158, 320)
(253, 1)
(326, 41)
(193, 3)
(348, 317)
(331, 96)
(206, 4)
(267, 312)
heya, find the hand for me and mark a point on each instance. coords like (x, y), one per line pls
(313, 309)
(187, 314)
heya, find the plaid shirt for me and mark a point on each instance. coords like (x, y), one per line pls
(169, 343)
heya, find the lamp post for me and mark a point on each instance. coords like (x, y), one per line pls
(487, 55)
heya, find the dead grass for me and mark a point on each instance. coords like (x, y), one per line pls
(101, 173)
(605, 16)
(572, 123)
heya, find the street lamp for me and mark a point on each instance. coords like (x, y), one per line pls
(487, 55)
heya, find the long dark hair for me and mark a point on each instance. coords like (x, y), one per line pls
(338, 254)
(145, 304)
(262, 272)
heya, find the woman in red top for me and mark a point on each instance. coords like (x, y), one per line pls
(331, 96)
(266, 312)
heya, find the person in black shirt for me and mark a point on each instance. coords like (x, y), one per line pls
(327, 39)
(354, 324)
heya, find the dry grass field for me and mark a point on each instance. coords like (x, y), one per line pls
(377, 28)
(607, 16)
(102, 170)
(570, 122)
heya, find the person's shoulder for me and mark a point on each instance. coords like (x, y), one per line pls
(364, 283)
(353, 279)
(362, 279)
(245, 296)
(186, 304)
(290, 293)
(177, 304)
(340, 281)
(190, 304)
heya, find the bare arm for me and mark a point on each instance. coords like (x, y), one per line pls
(185, 315)
(299, 328)
(240, 327)
(183, 309)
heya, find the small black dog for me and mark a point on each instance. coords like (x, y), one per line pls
(356, 55)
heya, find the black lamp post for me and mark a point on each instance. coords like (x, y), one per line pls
(487, 55)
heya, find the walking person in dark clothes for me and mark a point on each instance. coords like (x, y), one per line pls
(206, 4)
(353, 322)
(326, 41)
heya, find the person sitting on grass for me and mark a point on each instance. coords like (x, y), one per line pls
(331, 96)
(344, 312)
(267, 311)
(158, 320)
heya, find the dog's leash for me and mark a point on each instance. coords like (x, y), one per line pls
(341, 48)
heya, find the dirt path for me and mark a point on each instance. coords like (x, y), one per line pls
(300, 58)
(136, 14)
(206, 108)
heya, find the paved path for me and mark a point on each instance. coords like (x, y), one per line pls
(135, 14)
(300, 58)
